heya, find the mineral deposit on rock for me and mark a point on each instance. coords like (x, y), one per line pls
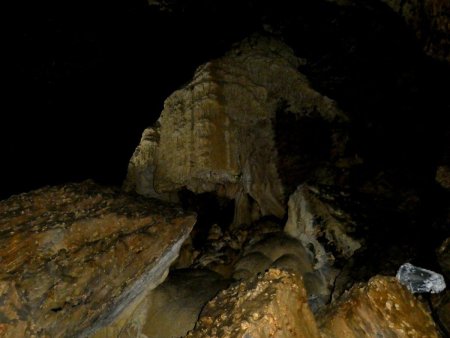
(73, 257)
(271, 305)
(317, 224)
(217, 135)
(380, 308)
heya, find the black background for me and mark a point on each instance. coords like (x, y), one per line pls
(86, 79)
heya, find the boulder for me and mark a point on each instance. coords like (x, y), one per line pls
(380, 308)
(273, 304)
(73, 257)
(218, 133)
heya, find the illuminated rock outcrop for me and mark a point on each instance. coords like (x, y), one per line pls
(217, 133)
(73, 257)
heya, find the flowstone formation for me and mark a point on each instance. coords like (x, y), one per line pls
(217, 134)
(73, 257)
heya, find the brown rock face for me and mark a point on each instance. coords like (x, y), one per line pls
(270, 305)
(73, 257)
(217, 133)
(381, 308)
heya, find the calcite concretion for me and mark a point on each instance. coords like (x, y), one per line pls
(380, 308)
(271, 305)
(216, 134)
(318, 225)
(170, 310)
(73, 257)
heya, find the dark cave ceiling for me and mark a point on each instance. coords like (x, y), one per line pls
(88, 77)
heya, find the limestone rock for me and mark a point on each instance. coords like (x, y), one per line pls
(73, 257)
(317, 224)
(171, 310)
(270, 305)
(380, 308)
(217, 133)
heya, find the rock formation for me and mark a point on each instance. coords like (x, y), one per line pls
(271, 305)
(73, 257)
(380, 308)
(217, 133)
(171, 310)
(320, 225)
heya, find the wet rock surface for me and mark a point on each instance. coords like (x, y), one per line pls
(73, 257)
(273, 304)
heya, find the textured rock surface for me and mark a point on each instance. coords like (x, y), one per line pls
(271, 305)
(73, 257)
(380, 308)
(317, 224)
(171, 310)
(216, 134)
(224, 248)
